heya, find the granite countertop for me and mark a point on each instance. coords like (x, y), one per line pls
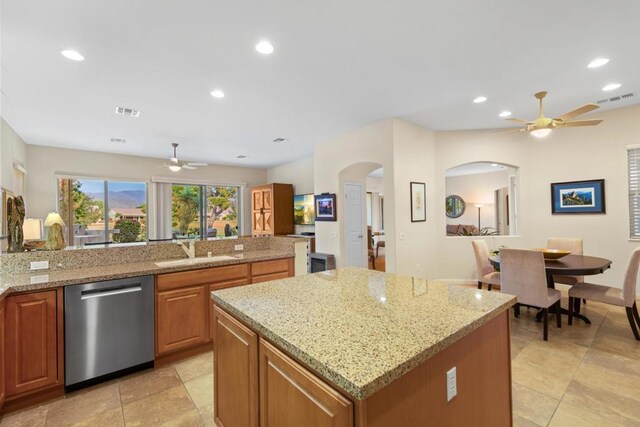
(361, 329)
(46, 279)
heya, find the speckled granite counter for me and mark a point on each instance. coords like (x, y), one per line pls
(21, 282)
(361, 329)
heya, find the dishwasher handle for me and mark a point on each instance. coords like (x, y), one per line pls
(99, 293)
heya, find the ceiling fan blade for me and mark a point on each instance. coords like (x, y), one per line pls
(514, 119)
(196, 164)
(591, 122)
(577, 112)
(187, 166)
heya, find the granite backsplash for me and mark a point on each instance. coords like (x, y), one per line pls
(119, 254)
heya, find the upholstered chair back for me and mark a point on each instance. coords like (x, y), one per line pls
(481, 251)
(567, 244)
(522, 274)
(630, 278)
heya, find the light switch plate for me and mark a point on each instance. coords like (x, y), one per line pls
(39, 265)
(452, 386)
(239, 247)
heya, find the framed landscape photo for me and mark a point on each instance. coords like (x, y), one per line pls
(418, 202)
(325, 205)
(578, 197)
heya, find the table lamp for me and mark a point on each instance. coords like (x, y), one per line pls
(32, 233)
(55, 236)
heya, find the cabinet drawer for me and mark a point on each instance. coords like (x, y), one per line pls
(267, 277)
(198, 277)
(269, 267)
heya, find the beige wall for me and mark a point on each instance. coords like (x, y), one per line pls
(298, 173)
(371, 146)
(12, 150)
(46, 162)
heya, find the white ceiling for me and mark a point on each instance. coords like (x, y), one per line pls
(337, 66)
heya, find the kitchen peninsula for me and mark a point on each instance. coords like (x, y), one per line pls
(355, 347)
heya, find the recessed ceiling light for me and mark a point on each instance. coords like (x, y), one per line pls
(611, 86)
(480, 99)
(505, 114)
(241, 156)
(598, 62)
(264, 47)
(217, 93)
(495, 165)
(280, 140)
(72, 55)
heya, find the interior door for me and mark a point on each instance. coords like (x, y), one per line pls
(355, 240)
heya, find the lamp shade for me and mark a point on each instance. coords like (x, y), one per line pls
(53, 218)
(32, 229)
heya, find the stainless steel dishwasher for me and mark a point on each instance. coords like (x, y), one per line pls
(109, 330)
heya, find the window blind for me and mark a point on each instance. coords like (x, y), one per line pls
(633, 157)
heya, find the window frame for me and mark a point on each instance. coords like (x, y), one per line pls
(633, 190)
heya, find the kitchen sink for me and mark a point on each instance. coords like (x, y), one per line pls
(193, 261)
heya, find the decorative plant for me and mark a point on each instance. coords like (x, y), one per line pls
(129, 231)
(484, 231)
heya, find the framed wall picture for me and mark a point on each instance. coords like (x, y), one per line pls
(578, 197)
(418, 202)
(325, 205)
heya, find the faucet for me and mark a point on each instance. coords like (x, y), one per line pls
(191, 250)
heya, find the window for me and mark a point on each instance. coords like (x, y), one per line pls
(633, 157)
(204, 211)
(98, 211)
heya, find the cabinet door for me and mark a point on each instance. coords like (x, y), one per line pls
(267, 199)
(181, 318)
(292, 396)
(235, 372)
(31, 326)
(2, 365)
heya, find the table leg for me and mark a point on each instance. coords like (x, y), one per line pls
(576, 313)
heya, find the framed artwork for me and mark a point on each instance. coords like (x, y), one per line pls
(418, 202)
(578, 197)
(325, 205)
(303, 209)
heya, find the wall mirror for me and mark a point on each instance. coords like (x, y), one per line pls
(455, 206)
(481, 199)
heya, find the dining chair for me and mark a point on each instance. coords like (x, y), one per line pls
(372, 258)
(486, 272)
(522, 273)
(625, 297)
(567, 244)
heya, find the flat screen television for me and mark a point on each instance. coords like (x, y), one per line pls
(303, 209)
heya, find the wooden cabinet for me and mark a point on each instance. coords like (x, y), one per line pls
(291, 396)
(181, 318)
(272, 210)
(2, 358)
(264, 271)
(235, 372)
(32, 350)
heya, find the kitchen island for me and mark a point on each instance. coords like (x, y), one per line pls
(354, 347)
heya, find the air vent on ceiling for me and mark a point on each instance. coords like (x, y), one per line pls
(280, 140)
(615, 98)
(129, 112)
(241, 156)
(118, 140)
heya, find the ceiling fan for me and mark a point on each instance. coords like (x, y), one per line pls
(542, 126)
(176, 165)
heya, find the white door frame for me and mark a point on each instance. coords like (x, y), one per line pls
(363, 238)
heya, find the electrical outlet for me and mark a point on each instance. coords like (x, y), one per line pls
(41, 278)
(452, 387)
(239, 247)
(39, 265)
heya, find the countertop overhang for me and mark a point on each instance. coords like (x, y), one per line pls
(361, 329)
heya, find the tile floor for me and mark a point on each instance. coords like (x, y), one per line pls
(586, 375)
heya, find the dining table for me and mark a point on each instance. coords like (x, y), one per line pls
(569, 265)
